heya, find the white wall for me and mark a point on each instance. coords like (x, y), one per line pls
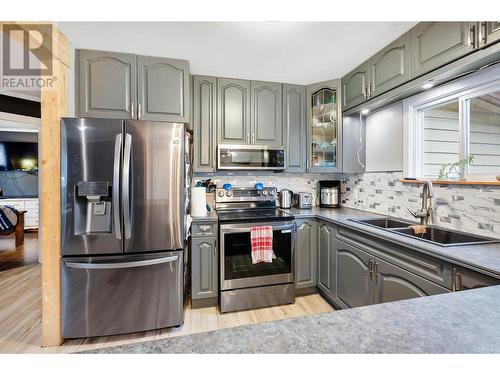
(384, 139)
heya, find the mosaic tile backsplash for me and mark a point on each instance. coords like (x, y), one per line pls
(474, 209)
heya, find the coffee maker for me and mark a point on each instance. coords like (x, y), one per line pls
(330, 193)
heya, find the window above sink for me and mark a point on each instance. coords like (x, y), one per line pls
(453, 122)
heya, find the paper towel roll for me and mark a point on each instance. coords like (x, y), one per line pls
(198, 201)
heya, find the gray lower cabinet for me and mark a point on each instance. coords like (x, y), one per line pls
(325, 259)
(295, 127)
(233, 111)
(106, 84)
(305, 254)
(464, 279)
(393, 283)
(434, 44)
(163, 87)
(267, 125)
(204, 268)
(390, 67)
(354, 276)
(489, 32)
(204, 123)
(355, 86)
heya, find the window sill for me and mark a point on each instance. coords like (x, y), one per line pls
(444, 182)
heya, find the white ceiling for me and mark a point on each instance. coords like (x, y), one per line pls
(294, 52)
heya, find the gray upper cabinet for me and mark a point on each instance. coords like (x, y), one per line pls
(163, 89)
(394, 284)
(267, 127)
(354, 275)
(434, 44)
(204, 123)
(233, 113)
(106, 84)
(204, 268)
(324, 123)
(305, 254)
(295, 127)
(390, 67)
(489, 32)
(325, 254)
(355, 86)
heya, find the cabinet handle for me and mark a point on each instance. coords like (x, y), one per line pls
(369, 89)
(458, 281)
(375, 272)
(370, 269)
(471, 41)
(253, 138)
(132, 109)
(482, 33)
(139, 109)
(248, 138)
(363, 88)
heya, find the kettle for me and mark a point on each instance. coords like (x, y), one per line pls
(285, 198)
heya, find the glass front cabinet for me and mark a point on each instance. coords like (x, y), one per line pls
(324, 127)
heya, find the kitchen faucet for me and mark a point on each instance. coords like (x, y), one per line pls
(425, 212)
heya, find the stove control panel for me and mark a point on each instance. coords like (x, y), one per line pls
(245, 194)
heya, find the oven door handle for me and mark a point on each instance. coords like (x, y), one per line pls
(290, 228)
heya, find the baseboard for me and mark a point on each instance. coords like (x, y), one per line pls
(204, 302)
(306, 291)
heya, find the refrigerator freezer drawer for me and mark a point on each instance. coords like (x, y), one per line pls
(121, 294)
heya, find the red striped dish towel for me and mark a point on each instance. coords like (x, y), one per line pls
(262, 244)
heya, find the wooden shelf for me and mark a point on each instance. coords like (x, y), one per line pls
(443, 182)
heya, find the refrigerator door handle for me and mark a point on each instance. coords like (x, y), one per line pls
(127, 151)
(116, 186)
(109, 266)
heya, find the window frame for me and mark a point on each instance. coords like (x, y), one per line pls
(462, 90)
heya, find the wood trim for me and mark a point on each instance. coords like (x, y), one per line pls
(443, 182)
(54, 105)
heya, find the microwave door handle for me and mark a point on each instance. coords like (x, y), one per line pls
(116, 186)
(127, 151)
(121, 265)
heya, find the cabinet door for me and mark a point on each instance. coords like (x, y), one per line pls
(204, 125)
(324, 122)
(204, 268)
(390, 67)
(325, 235)
(464, 279)
(354, 86)
(394, 284)
(233, 111)
(490, 32)
(163, 89)
(294, 120)
(267, 127)
(106, 84)
(354, 281)
(434, 44)
(305, 254)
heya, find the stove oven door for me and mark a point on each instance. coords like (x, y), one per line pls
(237, 270)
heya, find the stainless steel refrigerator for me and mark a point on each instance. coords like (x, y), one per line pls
(123, 209)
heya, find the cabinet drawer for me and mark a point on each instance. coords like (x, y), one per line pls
(203, 229)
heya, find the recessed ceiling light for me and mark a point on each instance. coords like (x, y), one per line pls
(365, 111)
(427, 85)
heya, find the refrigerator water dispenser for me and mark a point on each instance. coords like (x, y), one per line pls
(92, 207)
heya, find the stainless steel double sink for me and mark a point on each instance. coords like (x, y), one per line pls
(435, 235)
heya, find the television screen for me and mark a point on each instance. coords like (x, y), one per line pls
(18, 156)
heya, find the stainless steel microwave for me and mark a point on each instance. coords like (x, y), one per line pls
(250, 157)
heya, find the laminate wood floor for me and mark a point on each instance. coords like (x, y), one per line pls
(21, 310)
(22, 255)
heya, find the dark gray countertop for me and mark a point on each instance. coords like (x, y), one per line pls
(483, 257)
(211, 216)
(462, 322)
